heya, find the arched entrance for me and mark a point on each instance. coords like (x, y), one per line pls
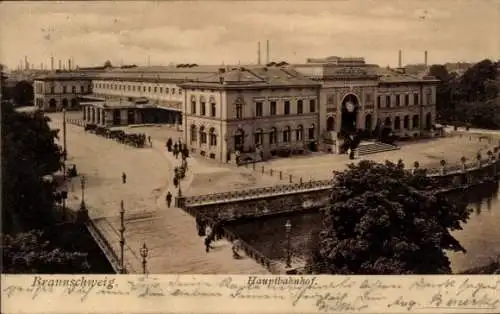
(64, 103)
(239, 140)
(428, 121)
(330, 124)
(350, 106)
(74, 103)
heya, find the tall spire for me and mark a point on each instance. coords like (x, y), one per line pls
(258, 53)
(267, 51)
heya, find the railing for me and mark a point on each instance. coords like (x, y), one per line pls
(283, 189)
(258, 192)
(253, 253)
(104, 245)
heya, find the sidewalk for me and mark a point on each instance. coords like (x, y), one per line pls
(169, 233)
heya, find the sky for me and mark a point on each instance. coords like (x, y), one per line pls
(216, 32)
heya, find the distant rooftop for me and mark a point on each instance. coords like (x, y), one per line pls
(253, 76)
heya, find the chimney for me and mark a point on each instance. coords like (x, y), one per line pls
(400, 61)
(267, 51)
(258, 53)
(52, 63)
(60, 64)
(69, 64)
(425, 58)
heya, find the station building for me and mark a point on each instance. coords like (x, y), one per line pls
(252, 112)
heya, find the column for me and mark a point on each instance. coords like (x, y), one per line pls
(103, 117)
(84, 112)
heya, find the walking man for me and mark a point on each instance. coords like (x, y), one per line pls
(169, 199)
(124, 178)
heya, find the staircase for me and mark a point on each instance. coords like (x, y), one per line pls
(374, 148)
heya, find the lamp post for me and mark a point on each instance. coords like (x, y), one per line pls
(82, 203)
(288, 228)
(64, 196)
(122, 237)
(144, 255)
(65, 152)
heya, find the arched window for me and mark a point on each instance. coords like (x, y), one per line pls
(416, 122)
(388, 122)
(368, 122)
(64, 103)
(259, 137)
(397, 123)
(330, 124)
(406, 122)
(64, 89)
(194, 134)
(52, 103)
(203, 135)
(286, 134)
(273, 136)
(312, 131)
(193, 104)
(213, 137)
(203, 108)
(299, 133)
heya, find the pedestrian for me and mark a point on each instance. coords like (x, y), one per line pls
(176, 181)
(169, 199)
(124, 178)
(236, 248)
(176, 147)
(207, 243)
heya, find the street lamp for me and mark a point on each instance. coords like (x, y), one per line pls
(65, 152)
(288, 228)
(122, 237)
(144, 255)
(82, 203)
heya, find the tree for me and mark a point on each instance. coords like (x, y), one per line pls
(23, 94)
(28, 154)
(29, 253)
(382, 219)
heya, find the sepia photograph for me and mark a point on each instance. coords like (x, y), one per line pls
(250, 137)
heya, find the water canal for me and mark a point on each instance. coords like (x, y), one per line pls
(480, 235)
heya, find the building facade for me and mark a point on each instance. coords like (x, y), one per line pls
(250, 113)
(58, 90)
(355, 95)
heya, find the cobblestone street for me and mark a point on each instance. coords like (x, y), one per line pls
(170, 233)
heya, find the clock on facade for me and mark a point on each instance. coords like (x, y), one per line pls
(350, 106)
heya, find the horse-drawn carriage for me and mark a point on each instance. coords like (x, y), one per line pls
(90, 127)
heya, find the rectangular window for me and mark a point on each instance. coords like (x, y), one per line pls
(149, 89)
(258, 109)
(312, 105)
(415, 99)
(155, 89)
(64, 90)
(300, 106)
(202, 108)
(193, 107)
(82, 89)
(273, 108)
(180, 91)
(368, 97)
(330, 99)
(173, 91)
(398, 101)
(379, 101)
(212, 109)
(161, 90)
(407, 100)
(388, 101)
(166, 90)
(144, 89)
(287, 107)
